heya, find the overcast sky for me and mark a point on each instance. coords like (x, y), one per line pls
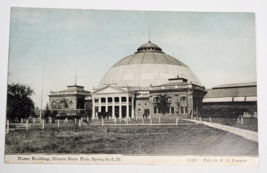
(218, 47)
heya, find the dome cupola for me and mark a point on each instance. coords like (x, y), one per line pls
(149, 46)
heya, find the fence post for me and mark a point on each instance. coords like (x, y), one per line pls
(67, 120)
(57, 122)
(21, 121)
(238, 119)
(210, 119)
(199, 118)
(75, 120)
(242, 121)
(151, 121)
(87, 119)
(159, 120)
(33, 120)
(27, 125)
(50, 120)
(102, 121)
(7, 126)
(43, 124)
(115, 120)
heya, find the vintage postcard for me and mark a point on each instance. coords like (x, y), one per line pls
(131, 88)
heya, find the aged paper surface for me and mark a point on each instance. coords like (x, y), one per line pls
(131, 87)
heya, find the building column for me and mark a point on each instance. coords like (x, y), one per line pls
(106, 104)
(120, 108)
(99, 106)
(133, 107)
(113, 107)
(127, 106)
(93, 106)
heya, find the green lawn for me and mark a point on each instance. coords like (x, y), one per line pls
(248, 123)
(194, 139)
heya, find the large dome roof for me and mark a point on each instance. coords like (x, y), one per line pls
(149, 65)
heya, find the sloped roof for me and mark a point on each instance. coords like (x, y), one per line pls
(149, 44)
(232, 90)
(236, 85)
(149, 58)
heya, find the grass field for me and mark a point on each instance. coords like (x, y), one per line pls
(193, 139)
(248, 123)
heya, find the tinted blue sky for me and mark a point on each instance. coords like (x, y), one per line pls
(218, 47)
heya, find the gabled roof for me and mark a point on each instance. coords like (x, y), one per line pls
(109, 90)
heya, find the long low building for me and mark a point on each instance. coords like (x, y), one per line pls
(231, 100)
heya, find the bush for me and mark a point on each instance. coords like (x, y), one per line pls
(82, 112)
(53, 115)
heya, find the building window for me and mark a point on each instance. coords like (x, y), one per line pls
(155, 110)
(103, 100)
(168, 111)
(54, 105)
(172, 110)
(123, 99)
(170, 100)
(185, 109)
(156, 100)
(183, 99)
(96, 100)
(159, 110)
(182, 110)
(145, 104)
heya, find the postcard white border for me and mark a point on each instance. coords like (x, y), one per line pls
(257, 6)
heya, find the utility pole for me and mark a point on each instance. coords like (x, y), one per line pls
(42, 95)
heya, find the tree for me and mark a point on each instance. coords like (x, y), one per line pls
(47, 112)
(88, 111)
(162, 103)
(19, 103)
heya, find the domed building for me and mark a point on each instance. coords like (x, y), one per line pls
(132, 87)
(148, 66)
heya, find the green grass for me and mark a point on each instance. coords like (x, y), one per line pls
(195, 139)
(248, 123)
